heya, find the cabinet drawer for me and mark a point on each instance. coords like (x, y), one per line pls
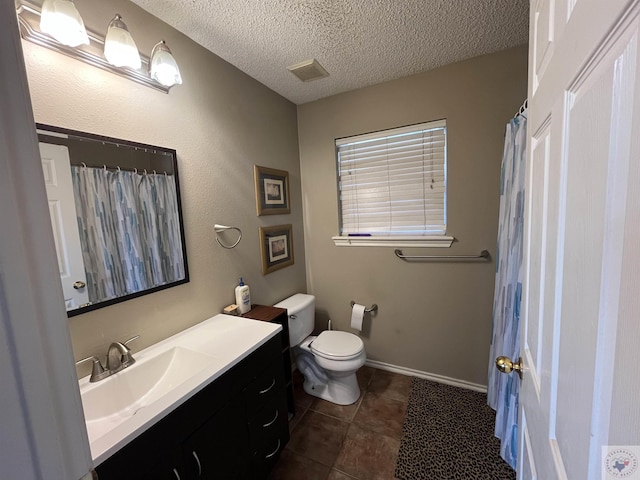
(267, 455)
(269, 421)
(264, 387)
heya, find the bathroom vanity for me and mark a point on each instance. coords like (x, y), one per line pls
(228, 420)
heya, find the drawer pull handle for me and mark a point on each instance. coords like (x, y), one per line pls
(195, 455)
(268, 424)
(275, 451)
(273, 383)
(175, 472)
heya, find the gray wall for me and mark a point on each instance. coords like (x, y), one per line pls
(433, 317)
(221, 122)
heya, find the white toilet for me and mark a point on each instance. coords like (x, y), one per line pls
(329, 361)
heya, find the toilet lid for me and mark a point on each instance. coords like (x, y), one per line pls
(337, 344)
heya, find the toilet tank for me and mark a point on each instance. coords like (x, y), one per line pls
(301, 310)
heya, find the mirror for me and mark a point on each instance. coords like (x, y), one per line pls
(116, 217)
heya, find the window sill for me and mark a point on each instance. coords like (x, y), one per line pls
(437, 241)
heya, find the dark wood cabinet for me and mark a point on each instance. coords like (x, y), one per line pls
(267, 313)
(218, 449)
(235, 428)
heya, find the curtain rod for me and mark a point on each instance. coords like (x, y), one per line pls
(142, 171)
(522, 109)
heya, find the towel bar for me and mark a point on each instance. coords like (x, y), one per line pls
(222, 228)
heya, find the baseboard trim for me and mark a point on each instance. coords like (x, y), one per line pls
(426, 375)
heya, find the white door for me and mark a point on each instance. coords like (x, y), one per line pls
(580, 334)
(42, 430)
(56, 166)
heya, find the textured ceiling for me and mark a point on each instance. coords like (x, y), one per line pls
(359, 42)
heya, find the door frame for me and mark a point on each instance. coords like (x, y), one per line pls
(40, 405)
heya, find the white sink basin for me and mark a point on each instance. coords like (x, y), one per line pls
(165, 375)
(110, 402)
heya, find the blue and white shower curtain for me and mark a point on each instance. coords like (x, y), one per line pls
(129, 230)
(502, 390)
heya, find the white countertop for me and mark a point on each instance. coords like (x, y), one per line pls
(225, 339)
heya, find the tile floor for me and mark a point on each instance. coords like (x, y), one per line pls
(359, 441)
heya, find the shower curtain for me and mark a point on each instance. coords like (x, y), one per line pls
(502, 390)
(129, 230)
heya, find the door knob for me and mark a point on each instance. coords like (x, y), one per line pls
(78, 285)
(505, 365)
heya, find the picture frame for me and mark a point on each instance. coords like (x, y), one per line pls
(272, 191)
(276, 247)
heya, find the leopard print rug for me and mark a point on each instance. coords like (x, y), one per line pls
(448, 435)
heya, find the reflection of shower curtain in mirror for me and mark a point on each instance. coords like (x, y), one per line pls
(129, 230)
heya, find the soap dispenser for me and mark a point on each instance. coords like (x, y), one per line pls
(243, 297)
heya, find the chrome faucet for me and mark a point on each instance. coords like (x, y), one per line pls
(118, 358)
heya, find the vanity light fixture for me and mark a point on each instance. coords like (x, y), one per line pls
(119, 48)
(61, 20)
(93, 53)
(164, 68)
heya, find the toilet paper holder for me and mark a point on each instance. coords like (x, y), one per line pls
(374, 307)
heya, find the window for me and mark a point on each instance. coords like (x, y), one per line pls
(393, 186)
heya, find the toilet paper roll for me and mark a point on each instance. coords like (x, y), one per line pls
(357, 314)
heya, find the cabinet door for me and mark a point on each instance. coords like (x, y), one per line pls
(169, 468)
(220, 448)
(154, 455)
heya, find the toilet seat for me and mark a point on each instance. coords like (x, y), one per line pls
(335, 345)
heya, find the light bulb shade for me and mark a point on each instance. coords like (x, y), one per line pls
(119, 48)
(163, 67)
(61, 20)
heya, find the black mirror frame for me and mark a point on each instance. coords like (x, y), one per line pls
(170, 151)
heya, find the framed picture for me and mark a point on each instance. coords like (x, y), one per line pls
(272, 190)
(276, 247)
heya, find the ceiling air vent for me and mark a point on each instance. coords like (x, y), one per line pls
(308, 70)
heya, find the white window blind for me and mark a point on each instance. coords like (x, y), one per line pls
(394, 182)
